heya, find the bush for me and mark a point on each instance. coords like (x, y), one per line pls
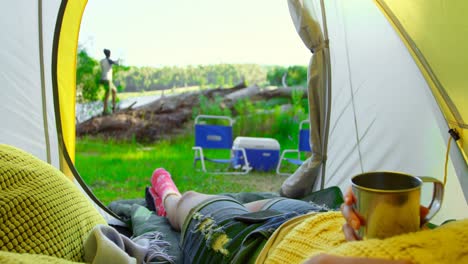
(275, 75)
(295, 75)
(211, 107)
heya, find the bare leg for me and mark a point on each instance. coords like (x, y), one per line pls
(178, 207)
(114, 94)
(106, 97)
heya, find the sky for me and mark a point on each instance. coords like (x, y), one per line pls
(160, 33)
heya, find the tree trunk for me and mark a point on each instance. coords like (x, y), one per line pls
(170, 114)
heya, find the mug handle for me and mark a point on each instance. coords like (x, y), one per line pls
(437, 197)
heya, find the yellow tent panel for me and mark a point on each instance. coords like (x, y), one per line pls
(437, 33)
(66, 74)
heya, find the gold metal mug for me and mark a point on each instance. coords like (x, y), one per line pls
(389, 202)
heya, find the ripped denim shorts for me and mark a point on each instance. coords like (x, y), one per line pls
(221, 230)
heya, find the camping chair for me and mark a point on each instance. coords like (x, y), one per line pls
(303, 147)
(214, 136)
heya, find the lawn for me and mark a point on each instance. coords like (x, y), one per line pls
(121, 170)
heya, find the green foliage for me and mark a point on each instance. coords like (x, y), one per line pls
(220, 75)
(277, 118)
(137, 79)
(211, 107)
(117, 71)
(295, 75)
(87, 76)
(275, 75)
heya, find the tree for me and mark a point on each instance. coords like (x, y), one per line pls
(87, 76)
(119, 82)
(275, 75)
(297, 75)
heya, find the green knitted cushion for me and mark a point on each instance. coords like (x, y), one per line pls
(25, 258)
(41, 210)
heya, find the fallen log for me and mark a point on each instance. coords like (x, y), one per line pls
(170, 113)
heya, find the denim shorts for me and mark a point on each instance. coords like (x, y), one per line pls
(222, 230)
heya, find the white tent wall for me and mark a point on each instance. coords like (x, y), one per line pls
(27, 105)
(26, 102)
(384, 116)
(49, 20)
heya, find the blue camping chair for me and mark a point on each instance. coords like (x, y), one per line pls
(303, 147)
(211, 136)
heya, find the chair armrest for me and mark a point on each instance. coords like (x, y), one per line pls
(290, 151)
(282, 158)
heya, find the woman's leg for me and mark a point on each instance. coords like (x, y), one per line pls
(169, 202)
(178, 207)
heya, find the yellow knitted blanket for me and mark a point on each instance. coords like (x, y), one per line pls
(321, 233)
(41, 211)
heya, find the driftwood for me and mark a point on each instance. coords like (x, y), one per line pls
(169, 115)
(281, 92)
(242, 94)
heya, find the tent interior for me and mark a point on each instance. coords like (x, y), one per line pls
(386, 84)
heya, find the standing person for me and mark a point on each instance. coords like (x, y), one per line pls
(106, 79)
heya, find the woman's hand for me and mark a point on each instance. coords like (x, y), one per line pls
(354, 221)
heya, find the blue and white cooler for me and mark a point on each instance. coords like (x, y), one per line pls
(262, 153)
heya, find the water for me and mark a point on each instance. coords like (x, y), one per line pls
(88, 110)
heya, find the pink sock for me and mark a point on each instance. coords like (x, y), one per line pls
(160, 210)
(162, 185)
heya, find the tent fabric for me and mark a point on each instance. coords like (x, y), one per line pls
(388, 111)
(303, 14)
(384, 116)
(70, 22)
(64, 64)
(26, 105)
(38, 71)
(434, 35)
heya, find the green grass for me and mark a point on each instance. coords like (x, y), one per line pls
(121, 170)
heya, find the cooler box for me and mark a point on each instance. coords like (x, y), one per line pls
(262, 153)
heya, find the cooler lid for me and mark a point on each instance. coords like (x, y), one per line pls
(256, 143)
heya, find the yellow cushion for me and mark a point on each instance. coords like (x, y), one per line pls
(41, 211)
(15, 258)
